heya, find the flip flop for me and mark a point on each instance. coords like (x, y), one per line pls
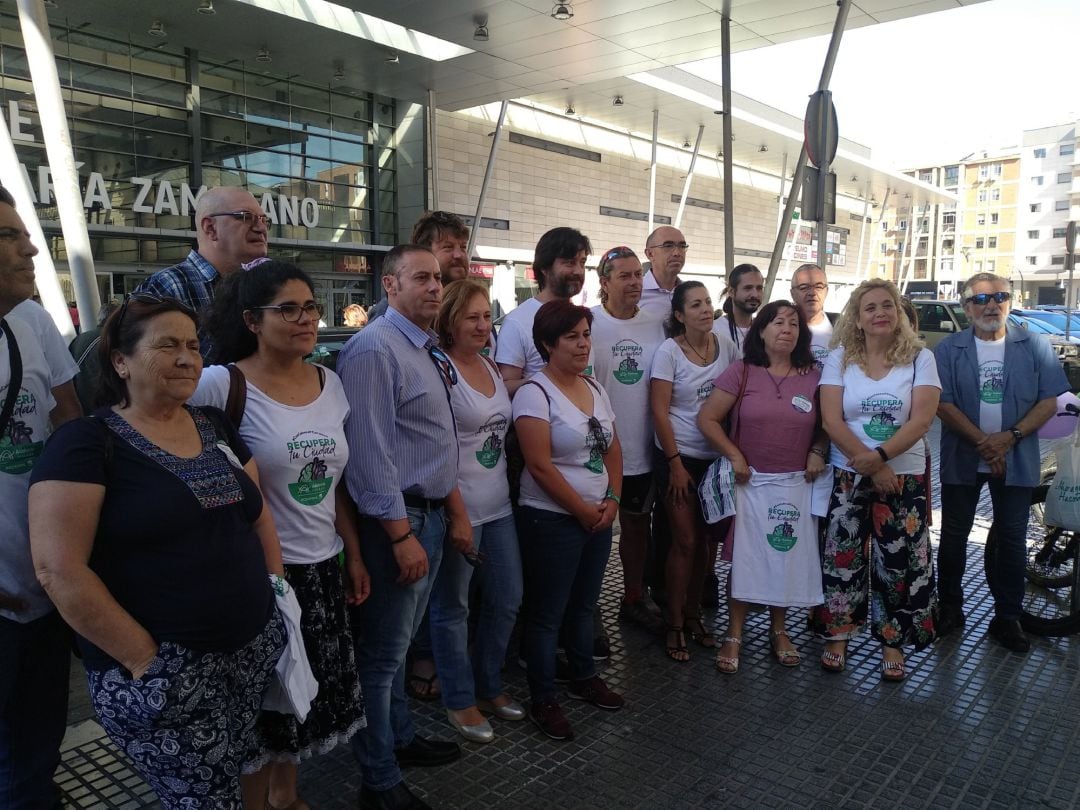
(430, 692)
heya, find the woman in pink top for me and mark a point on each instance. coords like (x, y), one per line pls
(771, 395)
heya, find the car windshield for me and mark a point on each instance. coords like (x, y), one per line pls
(961, 316)
(1034, 325)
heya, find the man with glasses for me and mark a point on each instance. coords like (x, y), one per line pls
(999, 385)
(625, 337)
(397, 381)
(445, 235)
(809, 288)
(231, 230)
(666, 250)
(34, 649)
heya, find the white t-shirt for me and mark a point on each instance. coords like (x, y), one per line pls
(691, 385)
(573, 449)
(20, 447)
(875, 409)
(622, 360)
(820, 335)
(62, 366)
(482, 423)
(301, 454)
(991, 357)
(516, 347)
(722, 326)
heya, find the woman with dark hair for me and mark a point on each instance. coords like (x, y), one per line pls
(776, 448)
(150, 534)
(263, 322)
(682, 375)
(569, 498)
(743, 293)
(879, 395)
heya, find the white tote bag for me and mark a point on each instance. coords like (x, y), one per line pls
(293, 686)
(1063, 499)
(716, 493)
(775, 558)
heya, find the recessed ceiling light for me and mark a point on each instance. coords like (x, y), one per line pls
(617, 101)
(263, 55)
(157, 29)
(481, 33)
(391, 58)
(570, 109)
(686, 143)
(205, 7)
(763, 148)
(562, 11)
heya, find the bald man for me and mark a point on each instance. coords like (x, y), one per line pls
(231, 228)
(666, 250)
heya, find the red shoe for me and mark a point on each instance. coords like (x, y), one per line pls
(549, 718)
(596, 692)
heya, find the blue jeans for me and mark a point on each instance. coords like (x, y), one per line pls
(34, 661)
(564, 570)
(383, 627)
(1011, 509)
(499, 580)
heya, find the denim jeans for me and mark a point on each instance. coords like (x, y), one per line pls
(1011, 509)
(383, 627)
(564, 569)
(34, 661)
(498, 579)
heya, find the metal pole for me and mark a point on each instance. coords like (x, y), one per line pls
(729, 189)
(906, 260)
(433, 140)
(69, 203)
(689, 176)
(487, 177)
(52, 296)
(862, 228)
(780, 199)
(800, 164)
(652, 169)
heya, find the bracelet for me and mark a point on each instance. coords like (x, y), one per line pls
(610, 495)
(819, 451)
(671, 458)
(881, 452)
(403, 538)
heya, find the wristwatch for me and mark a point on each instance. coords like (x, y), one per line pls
(1016, 434)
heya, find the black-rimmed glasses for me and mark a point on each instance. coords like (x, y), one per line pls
(805, 288)
(443, 364)
(671, 245)
(982, 299)
(291, 313)
(599, 437)
(247, 217)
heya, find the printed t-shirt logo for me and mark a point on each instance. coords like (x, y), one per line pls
(783, 537)
(819, 353)
(992, 382)
(885, 408)
(628, 354)
(704, 390)
(595, 464)
(489, 453)
(18, 450)
(312, 484)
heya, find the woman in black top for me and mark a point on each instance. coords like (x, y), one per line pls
(149, 533)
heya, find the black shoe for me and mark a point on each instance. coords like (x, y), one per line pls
(950, 618)
(399, 797)
(423, 752)
(601, 649)
(1009, 634)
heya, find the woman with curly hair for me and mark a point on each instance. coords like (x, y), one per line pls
(879, 394)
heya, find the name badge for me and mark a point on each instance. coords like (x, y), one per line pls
(801, 403)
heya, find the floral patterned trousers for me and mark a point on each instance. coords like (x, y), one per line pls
(876, 561)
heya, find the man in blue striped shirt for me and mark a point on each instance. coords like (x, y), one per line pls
(231, 230)
(402, 474)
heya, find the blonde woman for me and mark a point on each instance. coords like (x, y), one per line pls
(879, 394)
(354, 315)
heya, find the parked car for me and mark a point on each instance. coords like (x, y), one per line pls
(330, 341)
(938, 319)
(1056, 317)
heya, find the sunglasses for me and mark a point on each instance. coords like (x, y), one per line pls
(443, 364)
(150, 300)
(291, 313)
(982, 299)
(600, 440)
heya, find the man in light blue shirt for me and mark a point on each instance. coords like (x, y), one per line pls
(998, 386)
(402, 475)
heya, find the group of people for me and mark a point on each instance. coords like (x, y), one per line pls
(447, 483)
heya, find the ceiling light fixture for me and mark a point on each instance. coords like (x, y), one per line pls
(157, 29)
(717, 112)
(763, 148)
(206, 7)
(617, 101)
(720, 155)
(481, 33)
(562, 11)
(263, 55)
(570, 109)
(686, 143)
(854, 178)
(391, 58)
(339, 71)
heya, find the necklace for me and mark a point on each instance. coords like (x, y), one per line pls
(616, 317)
(776, 384)
(704, 357)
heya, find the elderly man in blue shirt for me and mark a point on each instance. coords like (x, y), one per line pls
(998, 386)
(402, 474)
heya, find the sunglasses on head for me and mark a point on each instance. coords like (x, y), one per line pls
(149, 299)
(600, 440)
(982, 299)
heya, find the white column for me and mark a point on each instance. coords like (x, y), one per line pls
(652, 169)
(689, 176)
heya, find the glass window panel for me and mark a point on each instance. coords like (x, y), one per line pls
(102, 135)
(316, 146)
(159, 145)
(315, 99)
(384, 111)
(223, 103)
(270, 88)
(159, 90)
(162, 119)
(348, 152)
(354, 126)
(15, 63)
(264, 161)
(228, 130)
(388, 227)
(387, 183)
(100, 79)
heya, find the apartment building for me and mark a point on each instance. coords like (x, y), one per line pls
(1049, 199)
(986, 227)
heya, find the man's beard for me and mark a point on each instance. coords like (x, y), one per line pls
(748, 307)
(566, 287)
(988, 324)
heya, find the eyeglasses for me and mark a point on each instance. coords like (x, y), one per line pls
(13, 234)
(671, 245)
(291, 313)
(443, 364)
(805, 288)
(247, 217)
(600, 439)
(982, 299)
